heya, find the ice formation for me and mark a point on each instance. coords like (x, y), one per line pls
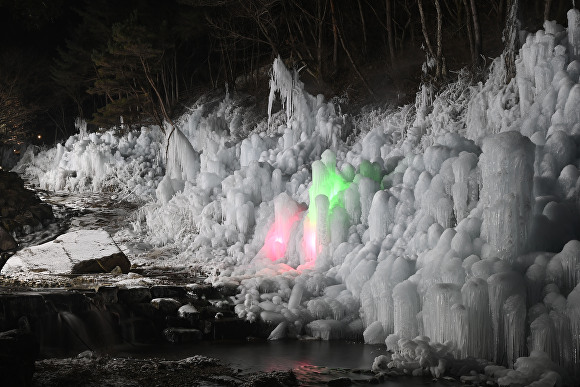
(447, 229)
(100, 162)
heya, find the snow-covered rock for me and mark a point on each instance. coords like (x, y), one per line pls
(74, 252)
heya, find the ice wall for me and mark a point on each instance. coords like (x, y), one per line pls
(447, 229)
(100, 162)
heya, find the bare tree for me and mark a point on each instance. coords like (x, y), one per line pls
(510, 36)
(547, 6)
(476, 33)
(390, 32)
(363, 27)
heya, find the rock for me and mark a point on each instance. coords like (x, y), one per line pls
(144, 309)
(177, 322)
(203, 290)
(78, 252)
(108, 294)
(41, 211)
(21, 211)
(7, 242)
(188, 312)
(339, 382)
(274, 378)
(138, 330)
(165, 291)
(113, 263)
(182, 335)
(138, 294)
(166, 305)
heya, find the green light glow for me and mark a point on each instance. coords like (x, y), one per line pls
(331, 185)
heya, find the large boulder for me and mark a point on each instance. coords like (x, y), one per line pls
(78, 252)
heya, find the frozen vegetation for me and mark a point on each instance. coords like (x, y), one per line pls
(448, 230)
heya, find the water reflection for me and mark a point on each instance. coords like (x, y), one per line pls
(282, 355)
(315, 363)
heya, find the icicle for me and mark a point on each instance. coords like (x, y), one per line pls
(460, 319)
(502, 286)
(574, 32)
(514, 309)
(570, 259)
(295, 297)
(367, 189)
(562, 338)
(542, 336)
(480, 336)
(573, 312)
(406, 305)
(437, 316)
(379, 219)
(507, 168)
(326, 329)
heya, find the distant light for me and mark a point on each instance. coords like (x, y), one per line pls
(39, 136)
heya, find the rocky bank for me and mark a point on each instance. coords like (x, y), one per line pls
(21, 212)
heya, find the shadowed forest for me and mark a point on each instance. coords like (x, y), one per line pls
(144, 60)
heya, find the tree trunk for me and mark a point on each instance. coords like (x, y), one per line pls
(335, 35)
(470, 32)
(476, 32)
(363, 27)
(321, 17)
(390, 32)
(510, 37)
(547, 6)
(352, 62)
(424, 29)
(440, 69)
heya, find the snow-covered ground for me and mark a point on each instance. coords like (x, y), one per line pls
(448, 229)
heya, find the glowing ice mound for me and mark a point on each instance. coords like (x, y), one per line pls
(286, 213)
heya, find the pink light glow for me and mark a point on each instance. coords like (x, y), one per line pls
(277, 238)
(310, 245)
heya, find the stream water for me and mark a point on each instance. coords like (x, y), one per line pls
(314, 362)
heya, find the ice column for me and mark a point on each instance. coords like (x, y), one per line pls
(322, 221)
(542, 336)
(563, 338)
(367, 189)
(437, 314)
(514, 309)
(479, 336)
(570, 259)
(379, 216)
(507, 169)
(506, 318)
(573, 312)
(574, 33)
(406, 306)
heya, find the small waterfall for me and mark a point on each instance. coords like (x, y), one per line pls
(72, 332)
